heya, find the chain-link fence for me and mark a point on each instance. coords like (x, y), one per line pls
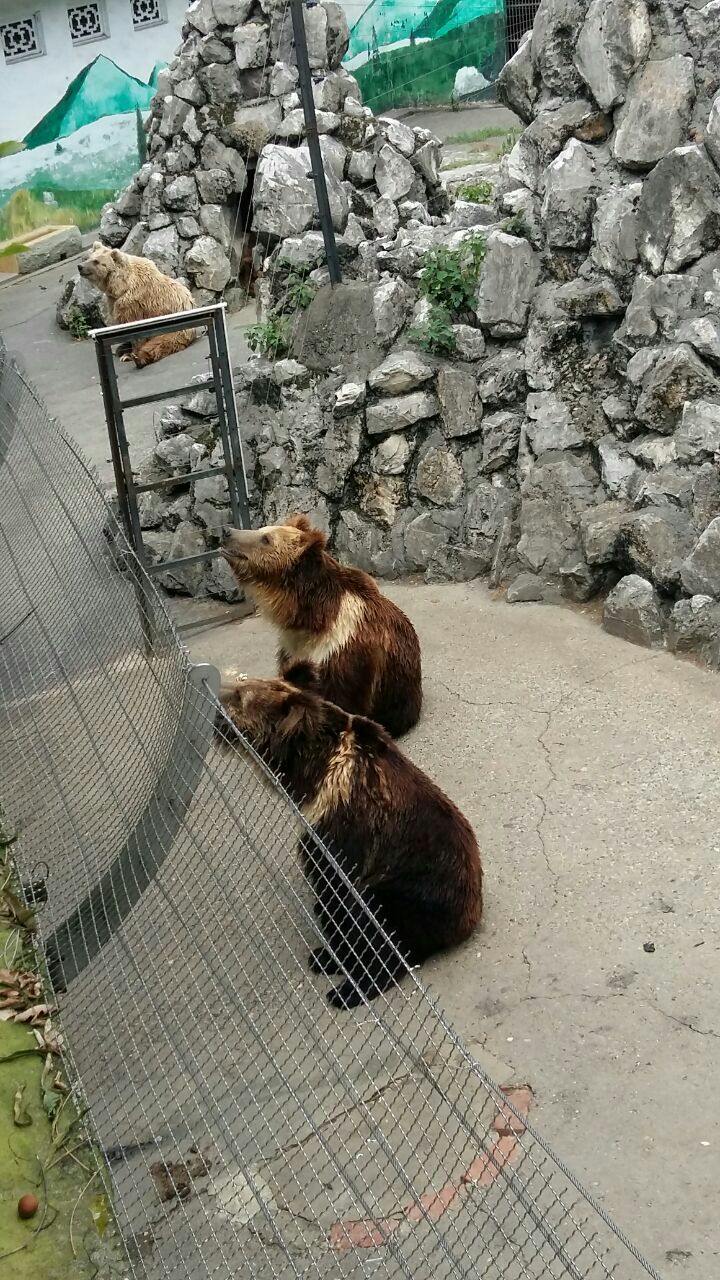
(519, 18)
(250, 1130)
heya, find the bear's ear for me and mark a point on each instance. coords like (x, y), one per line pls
(116, 255)
(98, 246)
(298, 522)
(303, 675)
(294, 714)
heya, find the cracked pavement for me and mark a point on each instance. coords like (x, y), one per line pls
(591, 772)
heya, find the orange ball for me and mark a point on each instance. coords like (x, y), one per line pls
(28, 1206)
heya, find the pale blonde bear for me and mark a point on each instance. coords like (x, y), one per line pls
(137, 290)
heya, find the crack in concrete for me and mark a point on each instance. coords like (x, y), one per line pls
(540, 797)
(600, 998)
(528, 965)
(495, 702)
(682, 1022)
(620, 666)
(540, 738)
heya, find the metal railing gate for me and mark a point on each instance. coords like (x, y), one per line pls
(212, 319)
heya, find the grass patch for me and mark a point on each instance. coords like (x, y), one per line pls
(476, 135)
(518, 226)
(509, 141)
(26, 210)
(271, 339)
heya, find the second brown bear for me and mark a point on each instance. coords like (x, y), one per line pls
(365, 648)
(408, 879)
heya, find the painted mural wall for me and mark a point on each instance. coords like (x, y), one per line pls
(408, 53)
(76, 75)
(73, 77)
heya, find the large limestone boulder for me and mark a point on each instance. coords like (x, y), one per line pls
(284, 197)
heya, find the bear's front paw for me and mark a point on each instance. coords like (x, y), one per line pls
(127, 358)
(322, 961)
(346, 996)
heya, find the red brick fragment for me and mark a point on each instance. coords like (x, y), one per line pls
(506, 1122)
(485, 1168)
(434, 1204)
(365, 1233)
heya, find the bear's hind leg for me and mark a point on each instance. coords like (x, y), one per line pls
(376, 974)
(335, 920)
(374, 962)
(154, 349)
(165, 344)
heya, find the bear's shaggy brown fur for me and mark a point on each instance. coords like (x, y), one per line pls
(137, 290)
(334, 616)
(400, 841)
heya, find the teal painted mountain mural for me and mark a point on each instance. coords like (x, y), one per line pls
(82, 152)
(102, 88)
(409, 52)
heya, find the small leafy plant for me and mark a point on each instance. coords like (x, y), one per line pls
(508, 142)
(78, 325)
(450, 276)
(299, 294)
(271, 338)
(476, 192)
(436, 334)
(517, 226)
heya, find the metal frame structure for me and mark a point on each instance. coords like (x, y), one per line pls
(212, 319)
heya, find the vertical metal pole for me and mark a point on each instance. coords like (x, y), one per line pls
(228, 455)
(233, 427)
(121, 468)
(316, 157)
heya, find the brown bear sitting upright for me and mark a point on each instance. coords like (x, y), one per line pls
(400, 841)
(366, 649)
(137, 290)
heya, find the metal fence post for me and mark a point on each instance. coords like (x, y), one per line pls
(316, 157)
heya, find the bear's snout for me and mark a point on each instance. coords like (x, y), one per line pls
(83, 268)
(239, 543)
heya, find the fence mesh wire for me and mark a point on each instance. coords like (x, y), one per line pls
(249, 1129)
(519, 18)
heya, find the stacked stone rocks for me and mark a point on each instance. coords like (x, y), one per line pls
(578, 449)
(618, 177)
(229, 102)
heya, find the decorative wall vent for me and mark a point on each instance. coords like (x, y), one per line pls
(22, 38)
(147, 13)
(87, 22)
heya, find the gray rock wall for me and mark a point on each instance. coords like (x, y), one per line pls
(227, 119)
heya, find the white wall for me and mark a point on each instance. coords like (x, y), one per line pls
(28, 89)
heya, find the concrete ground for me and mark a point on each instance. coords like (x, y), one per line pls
(591, 772)
(478, 117)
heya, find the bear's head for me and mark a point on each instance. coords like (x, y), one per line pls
(273, 551)
(105, 268)
(277, 715)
